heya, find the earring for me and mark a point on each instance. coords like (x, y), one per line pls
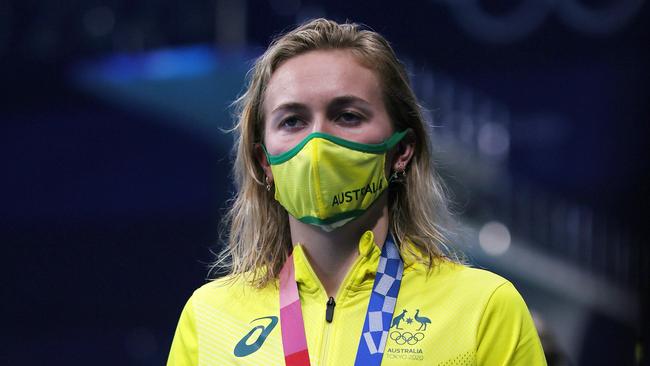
(268, 184)
(399, 174)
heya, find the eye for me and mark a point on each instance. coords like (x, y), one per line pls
(291, 122)
(350, 118)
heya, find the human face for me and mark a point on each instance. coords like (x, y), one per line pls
(325, 91)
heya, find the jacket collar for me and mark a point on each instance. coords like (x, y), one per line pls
(364, 267)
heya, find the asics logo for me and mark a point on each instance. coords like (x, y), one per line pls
(244, 348)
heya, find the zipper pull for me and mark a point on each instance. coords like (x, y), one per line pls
(329, 313)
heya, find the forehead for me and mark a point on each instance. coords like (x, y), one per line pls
(318, 76)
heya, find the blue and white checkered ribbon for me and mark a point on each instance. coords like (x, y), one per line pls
(381, 306)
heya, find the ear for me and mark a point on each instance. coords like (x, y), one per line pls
(260, 156)
(404, 152)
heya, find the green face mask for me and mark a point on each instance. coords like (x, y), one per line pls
(328, 181)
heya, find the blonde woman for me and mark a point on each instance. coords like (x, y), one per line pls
(336, 247)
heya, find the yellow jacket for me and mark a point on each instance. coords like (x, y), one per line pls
(455, 315)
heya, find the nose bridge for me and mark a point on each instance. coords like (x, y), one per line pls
(321, 123)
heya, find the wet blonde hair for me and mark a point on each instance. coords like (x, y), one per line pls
(256, 227)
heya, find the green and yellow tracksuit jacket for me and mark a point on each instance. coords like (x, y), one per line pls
(453, 315)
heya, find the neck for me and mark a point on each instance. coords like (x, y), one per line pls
(331, 254)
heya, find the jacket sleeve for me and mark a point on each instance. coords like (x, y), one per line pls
(184, 350)
(506, 333)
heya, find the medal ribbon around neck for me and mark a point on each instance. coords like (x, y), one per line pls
(378, 316)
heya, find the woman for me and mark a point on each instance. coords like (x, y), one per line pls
(336, 249)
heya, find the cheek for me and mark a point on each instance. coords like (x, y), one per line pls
(382, 130)
(272, 149)
(267, 138)
(279, 141)
(276, 144)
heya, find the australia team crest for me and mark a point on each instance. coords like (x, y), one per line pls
(407, 330)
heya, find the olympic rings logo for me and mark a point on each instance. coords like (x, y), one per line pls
(406, 337)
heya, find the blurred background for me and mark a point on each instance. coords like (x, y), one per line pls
(115, 168)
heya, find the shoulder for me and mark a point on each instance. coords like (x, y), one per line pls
(483, 306)
(472, 293)
(229, 289)
(463, 272)
(217, 316)
(494, 290)
(457, 276)
(447, 273)
(502, 324)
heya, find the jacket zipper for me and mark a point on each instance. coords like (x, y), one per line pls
(325, 344)
(329, 312)
(329, 308)
(329, 315)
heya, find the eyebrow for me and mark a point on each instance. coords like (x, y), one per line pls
(336, 103)
(346, 100)
(294, 107)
